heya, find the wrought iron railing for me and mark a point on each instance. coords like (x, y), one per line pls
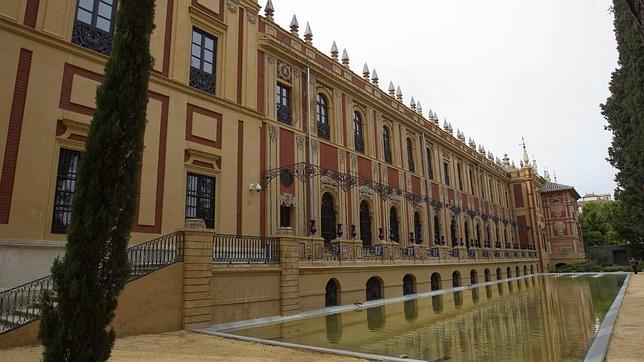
(22, 304)
(239, 249)
(331, 252)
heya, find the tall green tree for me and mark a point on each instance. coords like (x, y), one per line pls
(597, 223)
(88, 280)
(624, 111)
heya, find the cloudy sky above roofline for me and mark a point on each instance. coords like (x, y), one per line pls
(498, 70)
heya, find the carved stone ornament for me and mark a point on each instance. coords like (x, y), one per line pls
(354, 162)
(328, 182)
(314, 145)
(556, 209)
(342, 157)
(559, 228)
(338, 93)
(272, 131)
(252, 18)
(563, 251)
(287, 200)
(271, 59)
(232, 5)
(365, 192)
(299, 139)
(284, 71)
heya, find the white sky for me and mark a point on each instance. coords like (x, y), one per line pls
(498, 70)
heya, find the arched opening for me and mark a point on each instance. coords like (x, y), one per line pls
(332, 293)
(474, 278)
(487, 275)
(386, 144)
(436, 283)
(374, 288)
(525, 270)
(560, 265)
(489, 234)
(437, 229)
(418, 229)
(452, 230)
(499, 276)
(324, 129)
(410, 155)
(393, 225)
(468, 225)
(328, 218)
(478, 234)
(456, 279)
(365, 223)
(409, 284)
(509, 271)
(358, 134)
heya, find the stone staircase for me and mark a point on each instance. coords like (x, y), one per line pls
(22, 304)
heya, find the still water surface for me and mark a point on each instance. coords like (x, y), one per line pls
(538, 318)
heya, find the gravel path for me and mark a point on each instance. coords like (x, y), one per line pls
(627, 342)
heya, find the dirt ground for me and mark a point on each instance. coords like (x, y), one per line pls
(186, 346)
(627, 342)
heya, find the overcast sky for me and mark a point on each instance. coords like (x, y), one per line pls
(498, 70)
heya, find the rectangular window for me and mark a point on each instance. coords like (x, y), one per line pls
(446, 171)
(471, 181)
(203, 63)
(94, 25)
(459, 170)
(285, 216)
(283, 100)
(65, 188)
(200, 198)
(430, 168)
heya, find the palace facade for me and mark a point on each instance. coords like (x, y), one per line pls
(256, 132)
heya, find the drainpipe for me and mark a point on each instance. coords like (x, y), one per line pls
(309, 156)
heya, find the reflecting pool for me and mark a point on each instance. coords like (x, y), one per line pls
(537, 318)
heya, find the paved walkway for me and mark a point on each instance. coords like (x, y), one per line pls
(627, 342)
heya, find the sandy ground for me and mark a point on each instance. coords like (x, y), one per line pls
(186, 346)
(627, 342)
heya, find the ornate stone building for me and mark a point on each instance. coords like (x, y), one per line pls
(254, 130)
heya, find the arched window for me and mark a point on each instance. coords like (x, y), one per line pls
(418, 230)
(468, 224)
(357, 132)
(328, 218)
(410, 155)
(499, 276)
(437, 229)
(386, 143)
(409, 284)
(393, 225)
(324, 130)
(374, 288)
(487, 275)
(365, 223)
(332, 293)
(517, 272)
(430, 167)
(435, 281)
(474, 278)
(509, 271)
(456, 279)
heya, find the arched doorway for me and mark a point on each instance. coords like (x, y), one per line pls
(456, 279)
(365, 223)
(332, 293)
(409, 284)
(393, 225)
(436, 281)
(487, 275)
(474, 278)
(328, 218)
(499, 276)
(374, 288)
(418, 229)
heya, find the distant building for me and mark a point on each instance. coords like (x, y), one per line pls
(591, 197)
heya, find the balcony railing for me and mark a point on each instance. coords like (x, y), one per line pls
(238, 249)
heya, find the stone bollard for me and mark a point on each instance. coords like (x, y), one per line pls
(197, 274)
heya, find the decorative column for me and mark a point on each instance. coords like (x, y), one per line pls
(197, 274)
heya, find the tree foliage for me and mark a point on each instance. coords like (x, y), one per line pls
(624, 111)
(597, 223)
(94, 270)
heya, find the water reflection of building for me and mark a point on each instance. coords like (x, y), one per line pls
(543, 320)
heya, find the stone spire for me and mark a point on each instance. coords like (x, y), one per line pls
(345, 58)
(365, 72)
(308, 34)
(392, 89)
(294, 26)
(534, 165)
(546, 174)
(419, 108)
(526, 159)
(399, 94)
(412, 104)
(334, 51)
(506, 162)
(269, 10)
(374, 77)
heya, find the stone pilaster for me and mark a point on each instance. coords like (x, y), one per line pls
(197, 274)
(290, 275)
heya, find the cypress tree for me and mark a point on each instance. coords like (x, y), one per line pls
(624, 111)
(88, 280)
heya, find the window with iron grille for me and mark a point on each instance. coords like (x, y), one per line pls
(65, 188)
(357, 132)
(94, 25)
(386, 142)
(203, 61)
(410, 155)
(200, 198)
(324, 130)
(283, 99)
